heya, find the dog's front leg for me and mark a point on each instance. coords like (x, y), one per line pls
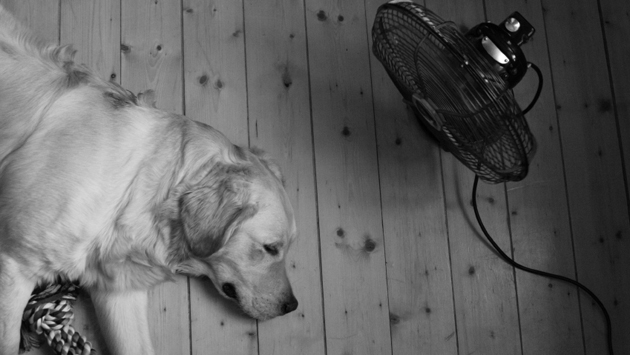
(123, 320)
(15, 290)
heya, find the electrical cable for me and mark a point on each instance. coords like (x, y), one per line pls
(540, 272)
(538, 90)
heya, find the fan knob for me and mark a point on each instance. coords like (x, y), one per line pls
(512, 24)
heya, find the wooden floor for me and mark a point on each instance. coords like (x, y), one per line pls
(389, 258)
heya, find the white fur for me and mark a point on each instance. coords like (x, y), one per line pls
(123, 316)
(98, 186)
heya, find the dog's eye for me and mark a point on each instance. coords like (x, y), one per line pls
(271, 249)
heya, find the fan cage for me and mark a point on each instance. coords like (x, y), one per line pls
(465, 103)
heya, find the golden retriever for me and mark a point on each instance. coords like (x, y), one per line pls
(97, 185)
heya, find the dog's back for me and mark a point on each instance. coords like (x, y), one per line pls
(72, 147)
(68, 140)
(26, 77)
(98, 186)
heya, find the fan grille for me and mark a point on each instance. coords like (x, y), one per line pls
(457, 93)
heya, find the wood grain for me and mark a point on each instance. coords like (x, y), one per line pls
(280, 123)
(616, 27)
(353, 257)
(594, 174)
(214, 52)
(41, 17)
(421, 306)
(549, 312)
(93, 29)
(483, 285)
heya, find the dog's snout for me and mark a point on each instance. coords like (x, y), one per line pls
(290, 306)
(229, 290)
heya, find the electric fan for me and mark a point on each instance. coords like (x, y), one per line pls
(459, 86)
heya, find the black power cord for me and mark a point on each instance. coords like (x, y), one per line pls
(539, 272)
(538, 90)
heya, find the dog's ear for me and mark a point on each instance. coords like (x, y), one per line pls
(211, 210)
(147, 98)
(268, 163)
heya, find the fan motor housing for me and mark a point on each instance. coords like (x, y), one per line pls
(501, 45)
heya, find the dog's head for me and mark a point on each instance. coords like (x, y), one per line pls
(235, 226)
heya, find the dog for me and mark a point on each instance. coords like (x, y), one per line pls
(99, 186)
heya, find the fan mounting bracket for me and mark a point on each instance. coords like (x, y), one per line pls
(425, 105)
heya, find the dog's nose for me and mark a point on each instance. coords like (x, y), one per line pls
(290, 306)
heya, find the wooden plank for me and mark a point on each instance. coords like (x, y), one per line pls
(484, 290)
(41, 17)
(93, 28)
(484, 293)
(617, 31)
(214, 52)
(352, 251)
(152, 59)
(539, 218)
(593, 164)
(152, 51)
(416, 242)
(280, 123)
(418, 269)
(216, 94)
(94, 31)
